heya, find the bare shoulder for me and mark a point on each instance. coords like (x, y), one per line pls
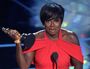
(70, 36)
(39, 34)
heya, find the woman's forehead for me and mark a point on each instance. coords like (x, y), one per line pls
(52, 18)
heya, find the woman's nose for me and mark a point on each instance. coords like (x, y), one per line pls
(52, 23)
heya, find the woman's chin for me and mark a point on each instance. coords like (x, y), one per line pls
(52, 33)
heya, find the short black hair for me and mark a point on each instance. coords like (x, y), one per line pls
(50, 11)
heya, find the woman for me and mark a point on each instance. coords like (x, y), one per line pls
(53, 39)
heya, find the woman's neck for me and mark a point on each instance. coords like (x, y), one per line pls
(52, 37)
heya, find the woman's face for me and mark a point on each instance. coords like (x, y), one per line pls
(53, 26)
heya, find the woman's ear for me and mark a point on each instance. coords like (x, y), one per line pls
(43, 25)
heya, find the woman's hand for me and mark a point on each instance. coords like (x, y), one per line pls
(14, 34)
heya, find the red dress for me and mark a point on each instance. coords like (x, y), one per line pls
(45, 47)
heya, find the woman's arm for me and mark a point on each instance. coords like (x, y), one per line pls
(23, 60)
(72, 38)
(77, 64)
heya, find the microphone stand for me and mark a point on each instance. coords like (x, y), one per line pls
(56, 65)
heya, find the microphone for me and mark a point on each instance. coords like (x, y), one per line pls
(54, 57)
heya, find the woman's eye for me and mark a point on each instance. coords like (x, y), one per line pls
(56, 20)
(48, 21)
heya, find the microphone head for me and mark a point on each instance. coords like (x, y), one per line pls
(54, 57)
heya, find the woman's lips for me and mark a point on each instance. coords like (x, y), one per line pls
(52, 30)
